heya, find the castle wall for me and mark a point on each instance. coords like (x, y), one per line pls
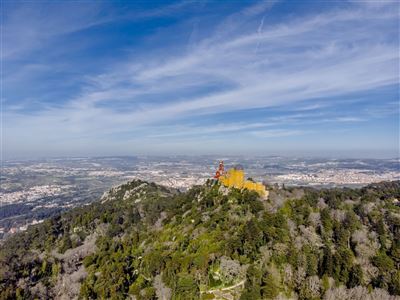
(235, 178)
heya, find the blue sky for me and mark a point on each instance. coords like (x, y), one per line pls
(200, 77)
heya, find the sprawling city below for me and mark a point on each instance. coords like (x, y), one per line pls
(33, 190)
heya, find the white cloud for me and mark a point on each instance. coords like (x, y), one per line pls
(277, 133)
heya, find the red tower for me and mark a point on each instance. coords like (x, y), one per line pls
(220, 171)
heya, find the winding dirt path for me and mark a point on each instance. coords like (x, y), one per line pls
(225, 288)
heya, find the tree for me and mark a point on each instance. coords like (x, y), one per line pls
(326, 267)
(356, 276)
(66, 243)
(312, 264)
(326, 220)
(231, 270)
(252, 289)
(269, 288)
(310, 289)
(394, 286)
(187, 287)
(383, 262)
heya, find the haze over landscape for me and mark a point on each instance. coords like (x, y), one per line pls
(200, 77)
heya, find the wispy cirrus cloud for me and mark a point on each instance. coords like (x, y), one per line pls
(276, 76)
(26, 27)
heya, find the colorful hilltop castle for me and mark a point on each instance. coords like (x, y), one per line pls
(235, 178)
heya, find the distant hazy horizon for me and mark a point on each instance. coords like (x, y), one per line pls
(295, 78)
(218, 156)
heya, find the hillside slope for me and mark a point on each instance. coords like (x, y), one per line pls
(144, 241)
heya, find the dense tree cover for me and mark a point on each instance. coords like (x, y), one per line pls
(142, 240)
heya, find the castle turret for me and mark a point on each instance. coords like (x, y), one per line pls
(220, 171)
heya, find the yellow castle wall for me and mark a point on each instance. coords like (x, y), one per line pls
(235, 178)
(250, 185)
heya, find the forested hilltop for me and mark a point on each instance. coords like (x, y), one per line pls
(144, 241)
